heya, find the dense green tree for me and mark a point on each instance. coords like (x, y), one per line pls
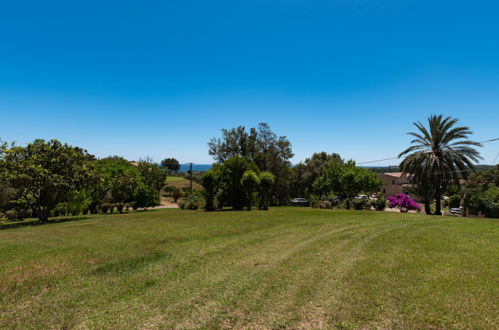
(210, 184)
(250, 182)
(151, 174)
(45, 173)
(485, 178)
(345, 179)
(260, 146)
(440, 154)
(145, 196)
(171, 164)
(305, 173)
(115, 180)
(266, 183)
(123, 188)
(230, 174)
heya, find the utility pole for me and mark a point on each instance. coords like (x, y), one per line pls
(190, 178)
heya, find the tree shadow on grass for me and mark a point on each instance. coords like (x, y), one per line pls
(32, 223)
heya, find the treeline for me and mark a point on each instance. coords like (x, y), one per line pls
(480, 194)
(49, 178)
(253, 168)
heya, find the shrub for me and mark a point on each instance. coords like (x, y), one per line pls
(2, 216)
(403, 202)
(192, 203)
(21, 207)
(249, 181)
(322, 204)
(60, 209)
(267, 180)
(11, 214)
(209, 182)
(176, 194)
(379, 203)
(105, 207)
(360, 204)
(454, 201)
(346, 204)
(111, 208)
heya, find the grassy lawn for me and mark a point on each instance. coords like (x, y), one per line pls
(286, 268)
(171, 179)
(180, 182)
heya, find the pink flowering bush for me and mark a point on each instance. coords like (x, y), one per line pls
(403, 202)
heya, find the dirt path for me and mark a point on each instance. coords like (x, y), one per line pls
(165, 203)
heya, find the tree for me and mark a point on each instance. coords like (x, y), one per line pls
(45, 173)
(305, 173)
(266, 183)
(152, 175)
(171, 164)
(210, 182)
(261, 146)
(230, 174)
(439, 155)
(123, 188)
(114, 179)
(345, 179)
(249, 182)
(145, 196)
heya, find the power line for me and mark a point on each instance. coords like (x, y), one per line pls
(392, 158)
(491, 140)
(493, 163)
(376, 161)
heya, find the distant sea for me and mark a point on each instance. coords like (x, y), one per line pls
(195, 167)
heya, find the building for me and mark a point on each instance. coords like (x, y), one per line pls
(394, 183)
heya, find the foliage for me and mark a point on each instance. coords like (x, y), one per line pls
(210, 185)
(326, 202)
(485, 201)
(262, 147)
(322, 204)
(151, 174)
(145, 196)
(176, 194)
(345, 179)
(191, 203)
(230, 174)
(379, 203)
(304, 174)
(454, 201)
(11, 214)
(439, 155)
(123, 187)
(403, 202)
(249, 182)
(45, 173)
(79, 202)
(171, 164)
(360, 204)
(267, 180)
(105, 207)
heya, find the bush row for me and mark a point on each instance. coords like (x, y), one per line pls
(332, 202)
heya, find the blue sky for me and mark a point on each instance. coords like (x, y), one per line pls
(160, 78)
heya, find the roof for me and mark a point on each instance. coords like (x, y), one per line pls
(395, 174)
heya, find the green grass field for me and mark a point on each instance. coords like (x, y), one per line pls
(180, 182)
(285, 268)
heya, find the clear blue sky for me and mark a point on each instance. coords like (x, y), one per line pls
(160, 78)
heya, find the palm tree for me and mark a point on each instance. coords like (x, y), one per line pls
(439, 155)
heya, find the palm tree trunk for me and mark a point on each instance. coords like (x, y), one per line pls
(427, 208)
(437, 204)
